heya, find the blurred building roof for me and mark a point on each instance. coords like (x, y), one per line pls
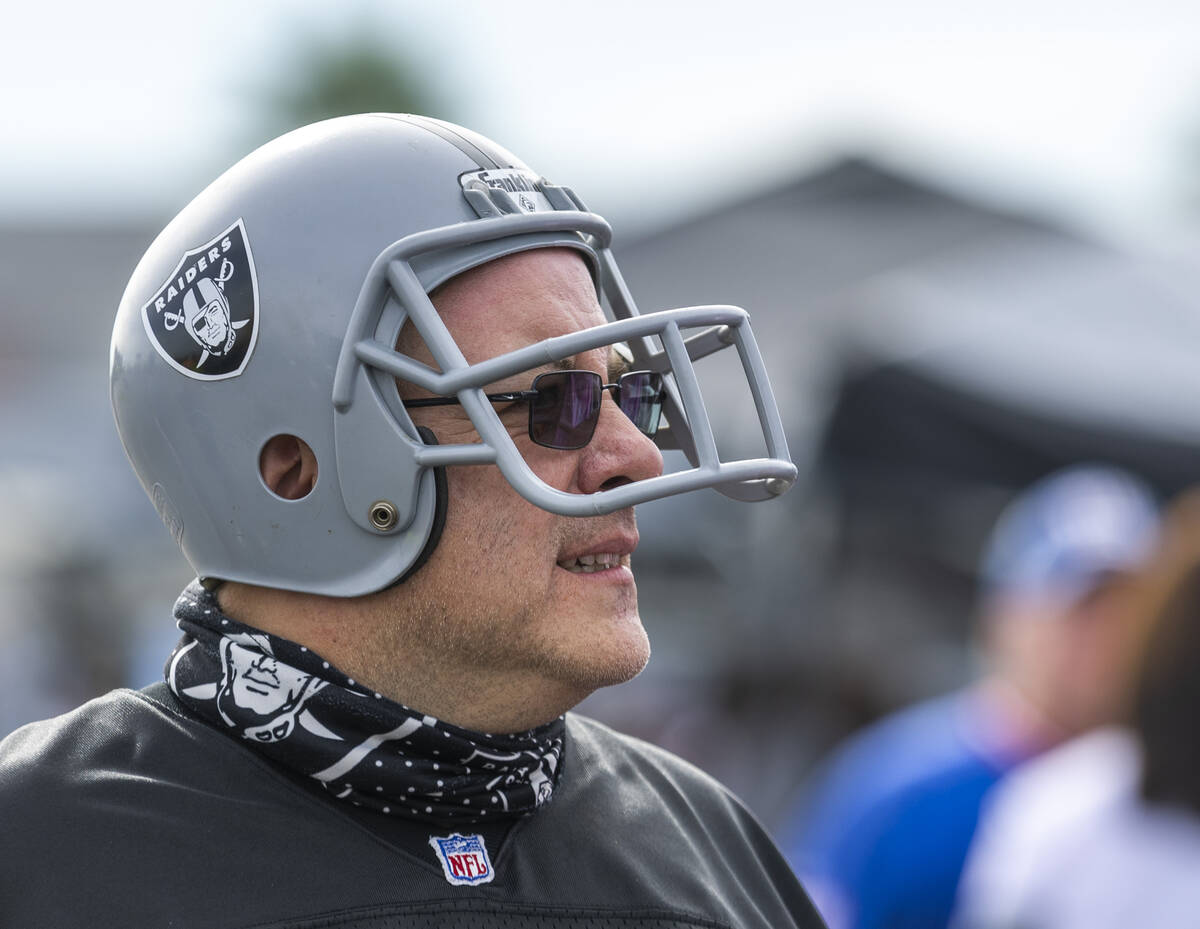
(791, 254)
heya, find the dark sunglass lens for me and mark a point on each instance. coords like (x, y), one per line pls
(563, 414)
(641, 397)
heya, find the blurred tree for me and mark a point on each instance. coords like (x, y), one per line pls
(360, 72)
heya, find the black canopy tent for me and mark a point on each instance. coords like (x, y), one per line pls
(1000, 364)
(962, 381)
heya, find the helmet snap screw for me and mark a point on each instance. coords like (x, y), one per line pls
(383, 515)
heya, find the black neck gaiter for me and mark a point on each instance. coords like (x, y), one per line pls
(305, 714)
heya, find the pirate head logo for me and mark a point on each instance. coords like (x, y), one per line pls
(209, 325)
(257, 694)
(203, 320)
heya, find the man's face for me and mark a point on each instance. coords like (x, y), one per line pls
(1071, 657)
(503, 593)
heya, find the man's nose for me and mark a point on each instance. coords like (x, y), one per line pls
(619, 452)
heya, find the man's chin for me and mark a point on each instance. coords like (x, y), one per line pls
(617, 656)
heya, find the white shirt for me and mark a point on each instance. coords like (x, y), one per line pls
(1066, 842)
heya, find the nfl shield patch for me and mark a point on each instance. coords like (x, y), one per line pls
(204, 318)
(464, 858)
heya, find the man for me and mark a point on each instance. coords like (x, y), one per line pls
(881, 837)
(366, 381)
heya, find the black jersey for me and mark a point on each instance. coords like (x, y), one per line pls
(130, 813)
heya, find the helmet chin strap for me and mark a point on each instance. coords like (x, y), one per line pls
(441, 496)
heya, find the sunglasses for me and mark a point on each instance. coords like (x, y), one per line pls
(565, 405)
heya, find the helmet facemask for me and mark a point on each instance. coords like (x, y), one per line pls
(393, 294)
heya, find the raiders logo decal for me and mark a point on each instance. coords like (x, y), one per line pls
(204, 318)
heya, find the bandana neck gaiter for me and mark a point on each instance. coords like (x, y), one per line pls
(308, 716)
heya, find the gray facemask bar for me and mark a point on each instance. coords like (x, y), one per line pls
(755, 479)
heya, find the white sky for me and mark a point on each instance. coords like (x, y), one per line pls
(645, 108)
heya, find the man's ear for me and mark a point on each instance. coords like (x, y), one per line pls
(288, 467)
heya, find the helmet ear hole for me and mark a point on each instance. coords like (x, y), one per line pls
(288, 467)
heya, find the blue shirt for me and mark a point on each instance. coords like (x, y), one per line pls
(881, 840)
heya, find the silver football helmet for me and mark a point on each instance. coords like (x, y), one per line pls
(272, 305)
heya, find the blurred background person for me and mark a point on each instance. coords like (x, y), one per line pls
(881, 833)
(1104, 831)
